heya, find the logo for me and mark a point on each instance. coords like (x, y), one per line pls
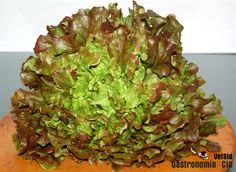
(219, 160)
(202, 155)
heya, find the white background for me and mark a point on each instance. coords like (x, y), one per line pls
(209, 25)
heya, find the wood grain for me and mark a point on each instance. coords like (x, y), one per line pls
(11, 162)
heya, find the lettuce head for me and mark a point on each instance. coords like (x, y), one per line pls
(107, 87)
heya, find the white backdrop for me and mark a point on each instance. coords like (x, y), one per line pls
(209, 25)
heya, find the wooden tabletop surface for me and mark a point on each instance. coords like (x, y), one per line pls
(11, 162)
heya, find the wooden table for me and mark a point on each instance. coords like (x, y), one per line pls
(11, 162)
